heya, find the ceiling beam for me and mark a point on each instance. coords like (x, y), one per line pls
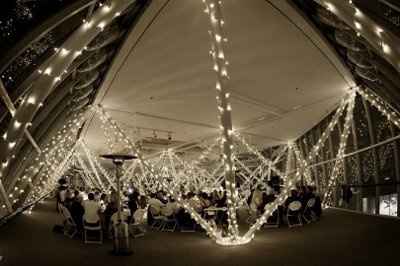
(163, 118)
(259, 122)
(273, 110)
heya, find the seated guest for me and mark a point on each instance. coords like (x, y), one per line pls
(113, 196)
(70, 195)
(293, 197)
(205, 201)
(83, 194)
(154, 209)
(269, 195)
(125, 197)
(111, 208)
(103, 202)
(270, 188)
(306, 195)
(132, 205)
(301, 190)
(97, 195)
(214, 198)
(92, 210)
(77, 211)
(155, 202)
(140, 214)
(195, 202)
(256, 200)
(139, 217)
(170, 208)
(62, 192)
(161, 197)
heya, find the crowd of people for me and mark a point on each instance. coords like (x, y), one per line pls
(206, 204)
(96, 207)
(263, 195)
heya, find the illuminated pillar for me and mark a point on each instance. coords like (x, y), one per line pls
(218, 40)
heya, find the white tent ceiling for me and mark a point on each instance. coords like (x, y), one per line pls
(284, 77)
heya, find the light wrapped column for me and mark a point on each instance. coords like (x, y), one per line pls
(218, 40)
(303, 164)
(342, 146)
(321, 142)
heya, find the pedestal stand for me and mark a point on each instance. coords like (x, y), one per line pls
(121, 230)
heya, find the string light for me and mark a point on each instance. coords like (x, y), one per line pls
(150, 171)
(213, 9)
(226, 141)
(380, 105)
(46, 161)
(63, 63)
(342, 147)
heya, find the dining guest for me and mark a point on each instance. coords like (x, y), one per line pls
(92, 210)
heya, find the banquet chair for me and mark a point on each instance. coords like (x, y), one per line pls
(137, 230)
(159, 220)
(70, 227)
(137, 227)
(92, 228)
(293, 215)
(308, 213)
(169, 221)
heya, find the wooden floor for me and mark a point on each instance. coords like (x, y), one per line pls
(340, 238)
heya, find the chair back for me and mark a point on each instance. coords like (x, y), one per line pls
(139, 216)
(311, 203)
(88, 226)
(59, 207)
(210, 212)
(295, 206)
(67, 215)
(154, 210)
(65, 212)
(167, 211)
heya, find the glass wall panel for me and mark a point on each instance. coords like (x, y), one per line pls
(388, 204)
(368, 205)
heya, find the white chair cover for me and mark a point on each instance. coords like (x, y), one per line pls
(295, 206)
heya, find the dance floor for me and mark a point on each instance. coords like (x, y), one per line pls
(340, 238)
